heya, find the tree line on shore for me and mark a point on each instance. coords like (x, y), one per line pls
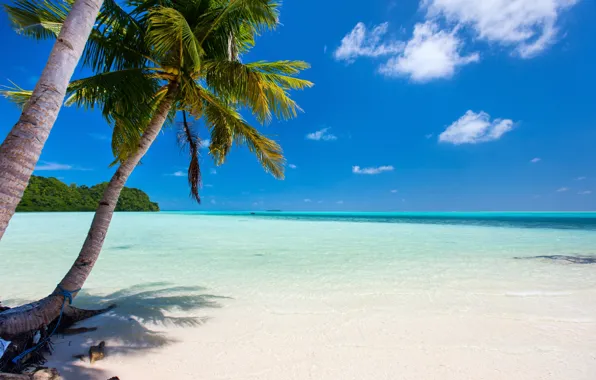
(51, 194)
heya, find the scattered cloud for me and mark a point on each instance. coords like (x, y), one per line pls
(98, 136)
(361, 42)
(529, 26)
(52, 166)
(55, 166)
(212, 171)
(432, 53)
(562, 189)
(372, 170)
(580, 178)
(179, 173)
(205, 144)
(473, 128)
(394, 191)
(322, 134)
(535, 160)
(436, 49)
(340, 202)
(324, 49)
(292, 166)
(319, 202)
(213, 202)
(307, 200)
(585, 192)
(429, 135)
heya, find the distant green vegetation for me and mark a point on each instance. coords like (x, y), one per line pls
(51, 194)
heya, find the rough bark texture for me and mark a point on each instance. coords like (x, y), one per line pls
(32, 316)
(22, 147)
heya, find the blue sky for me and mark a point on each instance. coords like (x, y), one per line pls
(418, 105)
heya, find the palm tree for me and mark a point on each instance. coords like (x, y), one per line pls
(22, 147)
(191, 63)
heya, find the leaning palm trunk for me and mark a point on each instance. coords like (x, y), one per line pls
(22, 147)
(33, 316)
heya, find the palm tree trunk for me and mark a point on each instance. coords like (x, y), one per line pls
(22, 147)
(32, 316)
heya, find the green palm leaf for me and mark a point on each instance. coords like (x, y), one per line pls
(39, 19)
(228, 127)
(169, 33)
(262, 86)
(16, 94)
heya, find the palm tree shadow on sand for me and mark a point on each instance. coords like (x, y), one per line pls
(132, 327)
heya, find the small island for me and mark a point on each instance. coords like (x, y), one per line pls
(52, 195)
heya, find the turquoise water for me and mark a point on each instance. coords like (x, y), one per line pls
(299, 249)
(341, 287)
(565, 220)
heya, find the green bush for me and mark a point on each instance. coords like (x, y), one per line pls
(50, 194)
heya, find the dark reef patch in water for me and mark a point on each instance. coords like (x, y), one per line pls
(570, 259)
(121, 247)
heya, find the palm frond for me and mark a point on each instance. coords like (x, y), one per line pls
(16, 94)
(189, 140)
(228, 127)
(39, 19)
(116, 41)
(170, 33)
(129, 90)
(261, 86)
(191, 99)
(228, 16)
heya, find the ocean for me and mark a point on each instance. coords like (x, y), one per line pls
(275, 295)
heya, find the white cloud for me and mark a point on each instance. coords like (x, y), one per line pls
(324, 49)
(580, 178)
(535, 160)
(179, 173)
(45, 165)
(212, 171)
(307, 200)
(585, 192)
(473, 128)
(372, 170)
(527, 25)
(340, 202)
(321, 135)
(361, 42)
(205, 144)
(394, 191)
(292, 166)
(562, 189)
(54, 166)
(432, 53)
